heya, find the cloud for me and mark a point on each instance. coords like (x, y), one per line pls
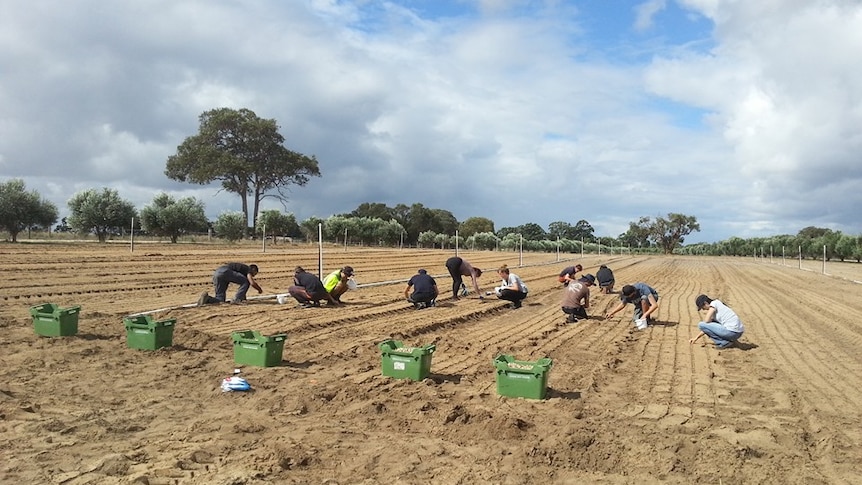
(740, 113)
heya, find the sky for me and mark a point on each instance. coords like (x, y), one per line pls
(744, 114)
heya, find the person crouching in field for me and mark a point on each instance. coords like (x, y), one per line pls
(512, 288)
(576, 298)
(336, 283)
(721, 324)
(606, 279)
(308, 290)
(238, 273)
(568, 274)
(644, 299)
(424, 290)
(458, 268)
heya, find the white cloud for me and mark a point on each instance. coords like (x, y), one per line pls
(459, 111)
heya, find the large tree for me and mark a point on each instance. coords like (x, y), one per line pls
(670, 232)
(246, 153)
(475, 225)
(20, 209)
(169, 217)
(100, 212)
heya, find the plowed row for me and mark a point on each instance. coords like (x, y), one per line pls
(623, 406)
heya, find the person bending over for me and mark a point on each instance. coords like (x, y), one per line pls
(458, 268)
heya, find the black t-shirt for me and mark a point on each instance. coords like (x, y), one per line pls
(239, 268)
(604, 275)
(422, 283)
(309, 281)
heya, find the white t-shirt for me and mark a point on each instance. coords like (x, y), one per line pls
(513, 278)
(726, 317)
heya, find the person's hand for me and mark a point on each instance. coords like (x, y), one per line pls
(692, 340)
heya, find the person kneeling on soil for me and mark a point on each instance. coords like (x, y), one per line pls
(512, 288)
(424, 290)
(576, 298)
(721, 324)
(238, 273)
(308, 290)
(336, 283)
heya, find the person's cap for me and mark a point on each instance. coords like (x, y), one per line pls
(589, 278)
(347, 270)
(701, 300)
(422, 271)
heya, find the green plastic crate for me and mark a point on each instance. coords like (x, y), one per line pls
(49, 320)
(142, 332)
(252, 348)
(403, 362)
(516, 378)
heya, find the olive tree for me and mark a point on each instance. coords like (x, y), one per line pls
(230, 226)
(172, 218)
(101, 212)
(20, 209)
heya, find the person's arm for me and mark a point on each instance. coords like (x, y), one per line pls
(475, 283)
(407, 291)
(436, 293)
(254, 283)
(586, 300)
(710, 315)
(701, 334)
(615, 310)
(653, 306)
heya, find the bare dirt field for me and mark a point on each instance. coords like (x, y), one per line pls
(623, 406)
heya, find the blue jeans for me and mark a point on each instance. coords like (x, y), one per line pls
(225, 276)
(720, 335)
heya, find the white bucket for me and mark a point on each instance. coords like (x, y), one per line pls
(351, 284)
(282, 298)
(641, 323)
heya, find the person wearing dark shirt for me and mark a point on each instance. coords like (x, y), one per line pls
(606, 279)
(238, 273)
(308, 290)
(424, 290)
(568, 274)
(458, 268)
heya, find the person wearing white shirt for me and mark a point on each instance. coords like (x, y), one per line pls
(721, 324)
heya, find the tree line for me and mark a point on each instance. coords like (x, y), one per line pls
(246, 154)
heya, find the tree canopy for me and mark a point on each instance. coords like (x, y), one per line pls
(20, 209)
(169, 217)
(100, 212)
(246, 153)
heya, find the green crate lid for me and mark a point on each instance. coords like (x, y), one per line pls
(52, 309)
(510, 364)
(255, 336)
(396, 347)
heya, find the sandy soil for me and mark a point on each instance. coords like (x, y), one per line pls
(623, 406)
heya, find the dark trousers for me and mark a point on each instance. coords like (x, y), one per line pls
(579, 312)
(303, 296)
(453, 264)
(225, 276)
(417, 297)
(512, 295)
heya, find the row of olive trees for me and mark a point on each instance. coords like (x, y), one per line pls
(808, 243)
